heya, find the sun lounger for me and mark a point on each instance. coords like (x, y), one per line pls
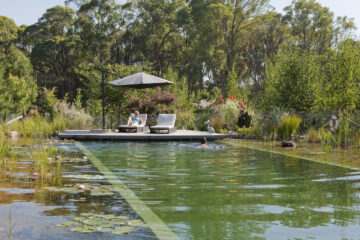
(135, 129)
(165, 124)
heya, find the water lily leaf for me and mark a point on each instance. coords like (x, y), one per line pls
(136, 223)
(122, 217)
(118, 222)
(79, 219)
(109, 216)
(67, 224)
(122, 230)
(87, 230)
(105, 229)
(101, 193)
(87, 177)
(76, 229)
(86, 214)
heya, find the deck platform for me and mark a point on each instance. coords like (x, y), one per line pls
(145, 136)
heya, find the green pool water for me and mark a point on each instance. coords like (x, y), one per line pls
(237, 193)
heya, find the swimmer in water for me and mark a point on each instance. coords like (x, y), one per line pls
(204, 143)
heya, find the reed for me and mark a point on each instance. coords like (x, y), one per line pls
(288, 126)
(312, 135)
(327, 139)
(47, 162)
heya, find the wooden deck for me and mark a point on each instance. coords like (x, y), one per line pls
(146, 136)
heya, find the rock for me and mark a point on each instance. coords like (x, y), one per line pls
(288, 144)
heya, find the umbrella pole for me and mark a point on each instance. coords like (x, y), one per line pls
(103, 97)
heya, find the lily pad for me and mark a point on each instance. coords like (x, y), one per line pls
(105, 229)
(89, 222)
(87, 177)
(122, 230)
(136, 223)
(67, 224)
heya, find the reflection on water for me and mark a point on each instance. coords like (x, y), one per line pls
(196, 146)
(237, 193)
(35, 211)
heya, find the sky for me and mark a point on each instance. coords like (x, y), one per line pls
(29, 11)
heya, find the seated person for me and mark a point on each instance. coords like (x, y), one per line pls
(135, 120)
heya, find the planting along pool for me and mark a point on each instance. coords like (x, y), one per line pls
(236, 193)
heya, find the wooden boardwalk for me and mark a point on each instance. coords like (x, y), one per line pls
(146, 136)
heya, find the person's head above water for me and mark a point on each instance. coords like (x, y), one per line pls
(203, 141)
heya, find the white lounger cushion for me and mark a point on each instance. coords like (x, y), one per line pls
(166, 120)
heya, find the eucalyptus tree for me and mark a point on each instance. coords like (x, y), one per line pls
(54, 50)
(154, 35)
(221, 31)
(97, 24)
(8, 33)
(314, 26)
(267, 35)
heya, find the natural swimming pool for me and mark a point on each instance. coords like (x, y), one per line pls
(236, 193)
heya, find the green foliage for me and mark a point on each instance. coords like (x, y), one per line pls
(47, 162)
(46, 101)
(327, 139)
(8, 33)
(314, 27)
(288, 126)
(268, 123)
(230, 111)
(115, 99)
(341, 87)
(312, 135)
(185, 110)
(291, 81)
(17, 86)
(248, 131)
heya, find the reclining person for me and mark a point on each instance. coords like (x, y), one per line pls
(135, 120)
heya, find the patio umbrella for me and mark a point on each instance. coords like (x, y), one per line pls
(138, 80)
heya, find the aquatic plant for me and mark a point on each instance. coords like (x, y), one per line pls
(94, 189)
(230, 112)
(268, 123)
(288, 126)
(11, 225)
(248, 131)
(47, 162)
(327, 139)
(217, 122)
(312, 135)
(107, 223)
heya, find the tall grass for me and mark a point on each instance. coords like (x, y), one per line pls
(288, 126)
(47, 162)
(327, 139)
(312, 135)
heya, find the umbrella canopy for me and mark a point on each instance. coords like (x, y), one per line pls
(139, 81)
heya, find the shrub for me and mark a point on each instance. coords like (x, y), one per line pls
(230, 112)
(185, 119)
(268, 123)
(74, 118)
(248, 131)
(312, 135)
(288, 126)
(217, 122)
(327, 139)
